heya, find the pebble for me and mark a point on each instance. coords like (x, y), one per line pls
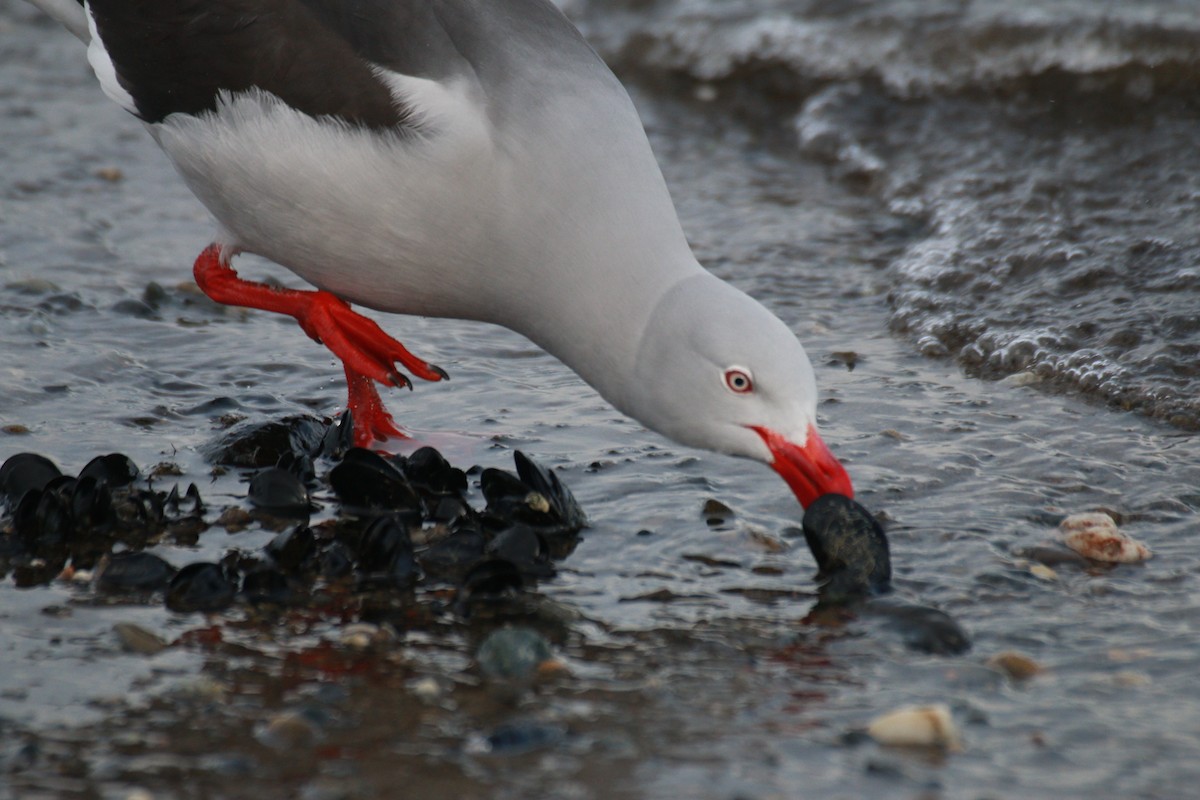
(1042, 572)
(917, 726)
(1097, 537)
(1017, 666)
(235, 519)
(513, 654)
(426, 689)
(137, 639)
(288, 730)
(362, 635)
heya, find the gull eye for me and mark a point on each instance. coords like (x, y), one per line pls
(738, 380)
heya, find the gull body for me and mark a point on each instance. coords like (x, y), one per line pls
(458, 158)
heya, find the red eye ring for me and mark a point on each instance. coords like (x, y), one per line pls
(738, 380)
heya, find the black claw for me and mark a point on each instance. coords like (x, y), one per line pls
(441, 372)
(399, 379)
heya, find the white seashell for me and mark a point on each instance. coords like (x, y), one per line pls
(916, 726)
(1096, 536)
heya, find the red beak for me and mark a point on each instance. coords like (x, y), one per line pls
(810, 470)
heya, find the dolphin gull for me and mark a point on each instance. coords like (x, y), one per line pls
(453, 158)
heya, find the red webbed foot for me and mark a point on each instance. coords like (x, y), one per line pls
(372, 422)
(366, 351)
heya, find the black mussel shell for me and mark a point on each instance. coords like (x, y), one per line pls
(91, 502)
(267, 586)
(338, 438)
(544, 481)
(134, 572)
(280, 492)
(334, 561)
(386, 553)
(115, 469)
(263, 444)
(24, 472)
(426, 468)
(292, 549)
(43, 520)
(490, 579)
(300, 465)
(364, 479)
(451, 556)
(503, 491)
(200, 587)
(523, 546)
(537, 497)
(850, 548)
(176, 501)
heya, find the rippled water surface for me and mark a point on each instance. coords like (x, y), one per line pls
(934, 196)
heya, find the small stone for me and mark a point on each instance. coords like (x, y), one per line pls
(426, 689)
(287, 731)
(137, 639)
(917, 726)
(1042, 572)
(110, 174)
(1097, 537)
(1131, 680)
(715, 510)
(513, 653)
(1017, 666)
(235, 519)
(362, 635)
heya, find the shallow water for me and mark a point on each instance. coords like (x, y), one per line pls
(694, 677)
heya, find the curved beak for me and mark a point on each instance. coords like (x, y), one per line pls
(810, 470)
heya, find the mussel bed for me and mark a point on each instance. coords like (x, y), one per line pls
(404, 535)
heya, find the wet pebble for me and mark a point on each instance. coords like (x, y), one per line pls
(137, 639)
(513, 654)
(1096, 536)
(1017, 666)
(922, 628)
(917, 726)
(518, 738)
(289, 730)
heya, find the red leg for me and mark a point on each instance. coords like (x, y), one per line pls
(371, 420)
(367, 353)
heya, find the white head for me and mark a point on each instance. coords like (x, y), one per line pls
(717, 370)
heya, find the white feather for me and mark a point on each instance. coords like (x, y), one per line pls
(102, 65)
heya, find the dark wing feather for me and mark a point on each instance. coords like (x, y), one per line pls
(175, 56)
